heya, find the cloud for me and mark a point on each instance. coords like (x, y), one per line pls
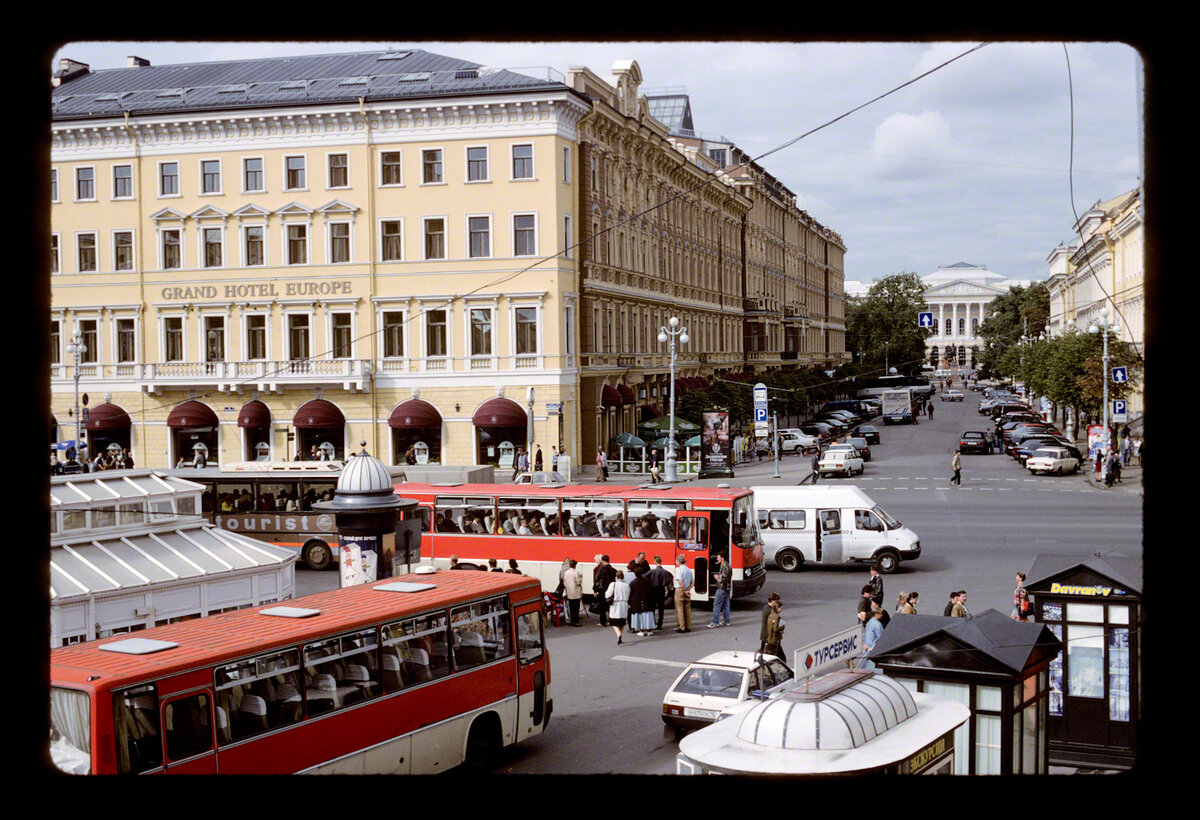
(902, 139)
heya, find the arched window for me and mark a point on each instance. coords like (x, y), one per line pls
(949, 327)
(975, 326)
(962, 327)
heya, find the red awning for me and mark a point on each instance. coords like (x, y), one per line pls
(192, 414)
(108, 417)
(415, 413)
(681, 387)
(627, 395)
(318, 413)
(254, 414)
(499, 412)
(611, 397)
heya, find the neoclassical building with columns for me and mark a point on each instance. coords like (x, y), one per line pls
(959, 295)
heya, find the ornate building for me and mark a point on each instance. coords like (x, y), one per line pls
(959, 295)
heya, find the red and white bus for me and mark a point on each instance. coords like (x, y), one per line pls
(416, 674)
(475, 522)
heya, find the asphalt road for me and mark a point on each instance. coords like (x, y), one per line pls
(607, 698)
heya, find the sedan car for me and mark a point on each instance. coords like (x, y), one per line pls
(840, 462)
(1029, 446)
(718, 681)
(952, 395)
(1055, 460)
(542, 479)
(796, 442)
(870, 432)
(973, 441)
(859, 443)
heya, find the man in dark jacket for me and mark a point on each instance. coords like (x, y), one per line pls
(602, 576)
(662, 582)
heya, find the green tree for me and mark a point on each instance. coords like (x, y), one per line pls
(882, 326)
(1019, 312)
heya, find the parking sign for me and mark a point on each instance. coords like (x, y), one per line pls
(1119, 410)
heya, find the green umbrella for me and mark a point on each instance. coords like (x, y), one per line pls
(662, 424)
(662, 443)
(694, 441)
(628, 440)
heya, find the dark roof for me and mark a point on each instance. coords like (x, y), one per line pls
(1007, 643)
(1123, 571)
(279, 81)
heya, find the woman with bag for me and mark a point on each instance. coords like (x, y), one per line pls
(1020, 610)
(601, 465)
(617, 596)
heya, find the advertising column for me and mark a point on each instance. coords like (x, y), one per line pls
(716, 445)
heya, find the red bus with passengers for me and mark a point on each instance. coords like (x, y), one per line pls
(540, 526)
(416, 674)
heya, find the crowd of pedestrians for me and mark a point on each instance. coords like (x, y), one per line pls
(112, 459)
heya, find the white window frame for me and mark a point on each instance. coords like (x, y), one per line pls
(162, 335)
(75, 182)
(287, 333)
(56, 267)
(215, 313)
(445, 238)
(287, 243)
(329, 314)
(487, 164)
(178, 179)
(95, 251)
(449, 331)
(386, 220)
(54, 189)
(286, 182)
(399, 164)
(512, 237)
(349, 223)
(116, 336)
(383, 311)
(200, 177)
(490, 306)
(245, 258)
(441, 161)
(113, 180)
(262, 172)
(160, 233)
(512, 161)
(266, 314)
(329, 155)
(566, 167)
(537, 320)
(132, 249)
(94, 349)
(568, 236)
(491, 236)
(203, 260)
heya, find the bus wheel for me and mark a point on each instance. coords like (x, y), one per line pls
(318, 555)
(483, 744)
(888, 561)
(788, 561)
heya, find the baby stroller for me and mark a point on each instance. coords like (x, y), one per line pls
(555, 608)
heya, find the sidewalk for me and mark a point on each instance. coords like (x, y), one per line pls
(1131, 479)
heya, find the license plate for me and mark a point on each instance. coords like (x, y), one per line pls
(707, 714)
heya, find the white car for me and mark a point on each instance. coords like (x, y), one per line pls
(1055, 460)
(718, 681)
(790, 442)
(542, 479)
(952, 395)
(840, 461)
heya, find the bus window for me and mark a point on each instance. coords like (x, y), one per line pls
(745, 532)
(866, 520)
(314, 491)
(188, 728)
(139, 743)
(277, 496)
(481, 633)
(421, 514)
(526, 516)
(786, 519)
(206, 499)
(257, 694)
(529, 637)
(235, 498)
(653, 519)
(340, 671)
(414, 651)
(469, 515)
(70, 730)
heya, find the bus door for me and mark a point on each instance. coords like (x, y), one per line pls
(533, 671)
(187, 723)
(830, 537)
(694, 533)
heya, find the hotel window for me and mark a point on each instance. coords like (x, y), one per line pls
(390, 168)
(214, 338)
(431, 164)
(210, 176)
(54, 185)
(477, 164)
(522, 162)
(55, 343)
(123, 250)
(298, 336)
(524, 243)
(480, 231)
(122, 182)
(85, 183)
(339, 241)
(526, 330)
(481, 332)
(173, 339)
(126, 341)
(435, 238)
(339, 170)
(392, 240)
(172, 255)
(256, 337)
(343, 339)
(393, 334)
(253, 237)
(297, 244)
(212, 247)
(86, 252)
(54, 261)
(87, 329)
(294, 168)
(168, 179)
(252, 174)
(435, 333)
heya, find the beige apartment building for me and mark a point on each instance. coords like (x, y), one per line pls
(265, 257)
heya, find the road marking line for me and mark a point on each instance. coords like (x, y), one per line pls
(632, 659)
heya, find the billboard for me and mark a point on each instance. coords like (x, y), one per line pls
(716, 445)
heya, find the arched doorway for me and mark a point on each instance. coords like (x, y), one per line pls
(500, 428)
(321, 426)
(108, 424)
(416, 424)
(255, 423)
(194, 427)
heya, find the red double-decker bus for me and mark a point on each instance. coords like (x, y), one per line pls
(416, 674)
(540, 526)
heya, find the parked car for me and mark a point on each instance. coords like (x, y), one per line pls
(840, 462)
(1015, 437)
(859, 443)
(1029, 446)
(973, 441)
(544, 478)
(870, 432)
(847, 415)
(846, 446)
(792, 441)
(824, 432)
(1055, 460)
(840, 425)
(952, 395)
(718, 681)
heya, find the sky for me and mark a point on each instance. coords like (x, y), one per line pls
(967, 164)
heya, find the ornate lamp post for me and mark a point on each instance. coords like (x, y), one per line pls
(1103, 325)
(77, 348)
(670, 333)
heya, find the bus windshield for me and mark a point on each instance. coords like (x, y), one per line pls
(70, 746)
(745, 524)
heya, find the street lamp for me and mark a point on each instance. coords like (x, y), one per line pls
(77, 348)
(671, 332)
(1103, 325)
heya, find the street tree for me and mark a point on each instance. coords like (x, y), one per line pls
(882, 325)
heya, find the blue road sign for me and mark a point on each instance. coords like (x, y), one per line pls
(760, 414)
(1119, 375)
(925, 319)
(1119, 410)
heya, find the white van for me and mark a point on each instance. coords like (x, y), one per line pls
(853, 528)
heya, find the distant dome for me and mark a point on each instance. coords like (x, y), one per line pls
(844, 720)
(363, 473)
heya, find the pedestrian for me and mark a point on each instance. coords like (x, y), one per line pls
(910, 606)
(655, 460)
(816, 463)
(1112, 469)
(872, 634)
(724, 584)
(199, 461)
(1126, 450)
(641, 604)
(959, 610)
(554, 459)
(617, 596)
(864, 604)
(956, 465)
(602, 577)
(772, 643)
(1099, 465)
(876, 584)
(640, 565)
(684, 581)
(901, 602)
(1021, 608)
(573, 591)
(663, 582)
(537, 459)
(493, 566)
(128, 460)
(929, 410)
(950, 605)
(601, 465)
(987, 437)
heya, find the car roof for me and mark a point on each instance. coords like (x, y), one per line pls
(973, 433)
(732, 658)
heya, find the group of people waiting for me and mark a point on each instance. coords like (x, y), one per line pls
(107, 460)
